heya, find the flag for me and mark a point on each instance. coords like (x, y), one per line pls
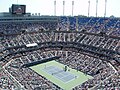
(54, 2)
(72, 2)
(89, 1)
(96, 1)
(63, 2)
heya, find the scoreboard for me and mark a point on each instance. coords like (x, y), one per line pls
(18, 9)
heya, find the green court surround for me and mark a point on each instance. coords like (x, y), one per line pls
(66, 86)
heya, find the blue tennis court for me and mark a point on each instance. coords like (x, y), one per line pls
(59, 73)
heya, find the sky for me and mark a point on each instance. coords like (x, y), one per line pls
(46, 7)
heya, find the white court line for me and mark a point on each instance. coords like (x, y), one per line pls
(49, 71)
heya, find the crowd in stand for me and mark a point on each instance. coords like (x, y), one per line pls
(105, 74)
(6, 82)
(100, 70)
(94, 25)
(111, 83)
(27, 77)
(108, 43)
(16, 27)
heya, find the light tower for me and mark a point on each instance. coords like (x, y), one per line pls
(63, 7)
(54, 8)
(105, 8)
(88, 8)
(96, 7)
(17, 1)
(72, 7)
